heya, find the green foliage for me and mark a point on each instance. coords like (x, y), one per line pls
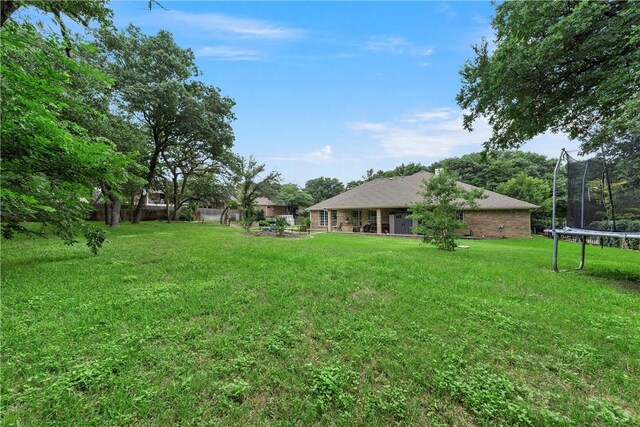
(490, 169)
(532, 190)
(306, 224)
(250, 185)
(527, 188)
(81, 12)
(294, 197)
(188, 122)
(240, 331)
(323, 188)
(280, 225)
(95, 238)
(389, 402)
(50, 161)
(436, 214)
(248, 218)
(333, 387)
(557, 66)
(492, 397)
(263, 223)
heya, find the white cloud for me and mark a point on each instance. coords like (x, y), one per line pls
(321, 155)
(225, 24)
(439, 133)
(396, 45)
(426, 116)
(432, 134)
(228, 53)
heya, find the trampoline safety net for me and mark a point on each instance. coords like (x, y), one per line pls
(599, 199)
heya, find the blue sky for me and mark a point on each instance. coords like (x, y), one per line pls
(335, 88)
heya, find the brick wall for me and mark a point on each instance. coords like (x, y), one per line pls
(514, 223)
(273, 210)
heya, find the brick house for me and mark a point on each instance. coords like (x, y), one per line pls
(271, 208)
(381, 206)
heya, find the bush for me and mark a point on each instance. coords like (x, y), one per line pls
(263, 223)
(280, 225)
(186, 216)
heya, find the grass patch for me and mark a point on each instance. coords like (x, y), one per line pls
(197, 324)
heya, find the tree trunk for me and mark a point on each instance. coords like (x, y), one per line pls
(222, 215)
(106, 213)
(7, 7)
(116, 207)
(142, 202)
(153, 163)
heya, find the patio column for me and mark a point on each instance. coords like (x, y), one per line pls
(379, 221)
(329, 220)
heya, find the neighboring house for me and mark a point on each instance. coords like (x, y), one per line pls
(271, 208)
(381, 206)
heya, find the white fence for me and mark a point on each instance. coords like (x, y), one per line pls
(213, 215)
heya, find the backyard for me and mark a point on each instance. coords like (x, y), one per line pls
(202, 324)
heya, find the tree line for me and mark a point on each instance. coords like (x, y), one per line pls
(126, 113)
(111, 116)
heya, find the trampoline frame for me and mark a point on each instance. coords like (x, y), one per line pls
(581, 232)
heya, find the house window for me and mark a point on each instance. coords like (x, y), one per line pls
(334, 218)
(323, 220)
(356, 219)
(373, 217)
(459, 215)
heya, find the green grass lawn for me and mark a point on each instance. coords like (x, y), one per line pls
(202, 324)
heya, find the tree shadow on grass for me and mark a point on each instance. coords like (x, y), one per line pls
(626, 279)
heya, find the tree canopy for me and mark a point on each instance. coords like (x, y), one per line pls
(568, 66)
(188, 122)
(294, 198)
(50, 160)
(323, 188)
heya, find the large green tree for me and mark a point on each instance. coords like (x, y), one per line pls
(491, 168)
(323, 188)
(560, 66)
(251, 182)
(154, 83)
(51, 162)
(532, 190)
(294, 198)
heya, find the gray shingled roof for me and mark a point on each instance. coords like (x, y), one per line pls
(263, 201)
(402, 191)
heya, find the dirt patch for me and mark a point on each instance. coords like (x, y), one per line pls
(286, 235)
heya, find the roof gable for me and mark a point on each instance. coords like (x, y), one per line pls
(402, 191)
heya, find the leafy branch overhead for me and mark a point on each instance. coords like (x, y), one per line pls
(567, 67)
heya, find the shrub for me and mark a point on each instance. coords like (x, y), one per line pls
(186, 216)
(280, 226)
(263, 223)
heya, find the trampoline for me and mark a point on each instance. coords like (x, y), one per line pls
(591, 203)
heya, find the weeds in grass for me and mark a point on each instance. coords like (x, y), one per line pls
(193, 324)
(491, 396)
(610, 414)
(333, 386)
(388, 402)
